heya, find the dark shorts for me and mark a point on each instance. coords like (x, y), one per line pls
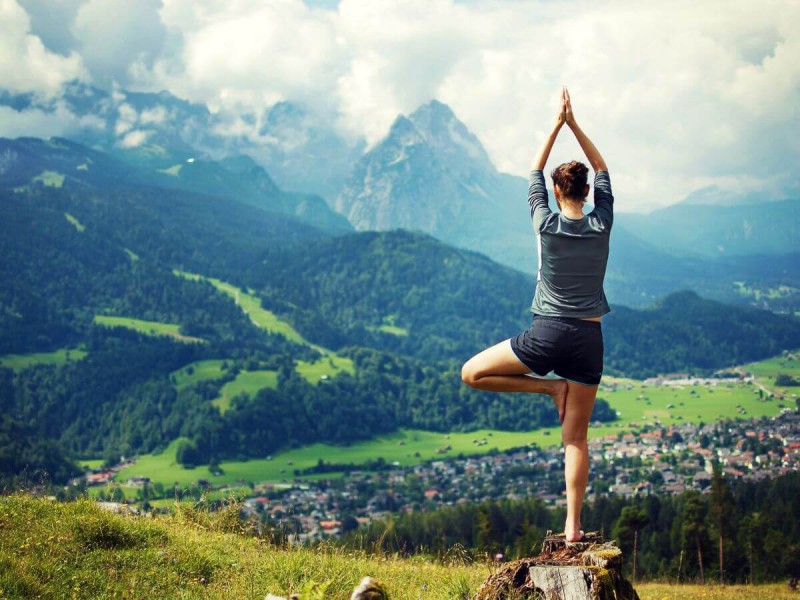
(571, 348)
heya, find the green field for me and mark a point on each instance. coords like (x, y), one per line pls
(147, 327)
(767, 370)
(131, 254)
(646, 404)
(251, 305)
(201, 370)
(407, 447)
(246, 382)
(330, 364)
(390, 326)
(250, 382)
(18, 362)
(49, 179)
(75, 222)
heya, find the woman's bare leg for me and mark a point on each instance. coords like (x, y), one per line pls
(497, 369)
(580, 402)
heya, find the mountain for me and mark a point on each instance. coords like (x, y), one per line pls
(696, 228)
(301, 149)
(57, 161)
(431, 174)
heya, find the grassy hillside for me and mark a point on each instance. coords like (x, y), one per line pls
(330, 365)
(147, 327)
(61, 550)
(57, 357)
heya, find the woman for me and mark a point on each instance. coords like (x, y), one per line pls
(566, 335)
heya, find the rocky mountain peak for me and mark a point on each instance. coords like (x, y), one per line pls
(444, 131)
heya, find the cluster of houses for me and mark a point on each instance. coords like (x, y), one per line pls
(657, 459)
(666, 460)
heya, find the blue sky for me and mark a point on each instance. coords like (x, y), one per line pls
(699, 94)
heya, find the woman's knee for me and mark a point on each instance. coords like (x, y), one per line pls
(574, 438)
(470, 374)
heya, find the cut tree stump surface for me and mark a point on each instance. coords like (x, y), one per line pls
(587, 570)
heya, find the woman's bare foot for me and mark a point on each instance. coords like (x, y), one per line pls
(559, 396)
(573, 534)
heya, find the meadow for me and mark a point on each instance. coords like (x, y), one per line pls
(18, 362)
(146, 327)
(76, 549)
(329, 365)
(246, 382)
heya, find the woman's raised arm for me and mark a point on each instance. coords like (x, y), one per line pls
(589, 149)
(540, 160)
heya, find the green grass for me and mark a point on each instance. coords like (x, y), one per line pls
(669, 591)
(75, 222)
(330, 364)
(49, 179)
(247, 382)
(131, 254)
(201, 370)
(17, 362)
(77, 549)
(643, 405)
(417, 445)
(393, 329)
(163, 467)
(390, 326)
(767, 370)
(147, 327)
(251, 305)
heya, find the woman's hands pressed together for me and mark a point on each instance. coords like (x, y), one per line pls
(566, 115)
(566, 107)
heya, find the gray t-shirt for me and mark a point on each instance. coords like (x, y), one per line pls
(573, 253)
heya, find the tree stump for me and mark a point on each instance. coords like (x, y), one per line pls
(587, 570)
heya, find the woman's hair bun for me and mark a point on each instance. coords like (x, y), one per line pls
(571, 179)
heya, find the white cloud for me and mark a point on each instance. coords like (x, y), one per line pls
(25, 64)
(247, 53)
(676, 98)
(57, 120)
(157, 114)
(114, 35)
(134, 138)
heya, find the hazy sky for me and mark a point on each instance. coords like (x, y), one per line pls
(677, 95)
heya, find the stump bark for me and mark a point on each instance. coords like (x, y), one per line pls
(587, 570)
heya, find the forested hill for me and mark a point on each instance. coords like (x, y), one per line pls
(440, 302)
(450, 302)
(684, 333)
(57, 162)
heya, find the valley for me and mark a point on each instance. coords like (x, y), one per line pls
(639, 404)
